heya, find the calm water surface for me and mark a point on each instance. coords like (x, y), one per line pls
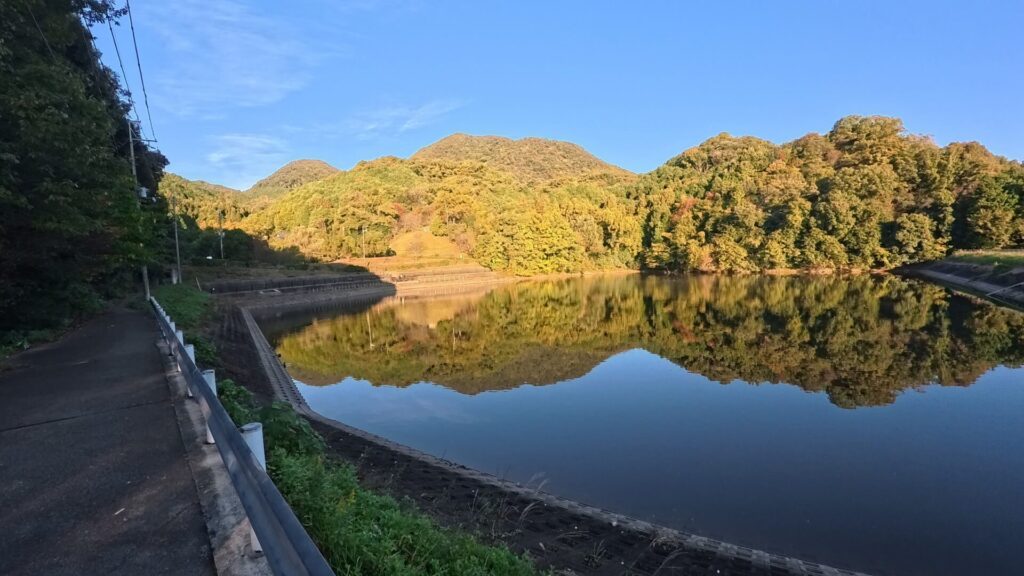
(871, 423)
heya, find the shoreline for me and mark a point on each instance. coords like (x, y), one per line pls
(455, 495)
(1000, 286)
(558, 533)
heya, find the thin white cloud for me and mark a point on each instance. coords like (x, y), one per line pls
(222, 55)
(385, 121)
(239, 160)
(349, 6)
(392, 120)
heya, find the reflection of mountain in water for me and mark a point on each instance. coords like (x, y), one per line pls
(860, 339)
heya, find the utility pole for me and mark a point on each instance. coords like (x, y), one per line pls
(135, 177)
(177, 249)
(220, 220)
(369, 328)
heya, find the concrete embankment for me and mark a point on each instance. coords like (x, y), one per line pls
(1001, 284)
(446, 275)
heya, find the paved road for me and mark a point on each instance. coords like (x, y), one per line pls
(93, 475)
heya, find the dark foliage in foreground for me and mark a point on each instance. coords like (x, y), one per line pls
(72, 229)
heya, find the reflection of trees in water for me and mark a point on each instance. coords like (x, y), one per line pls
(859, 339)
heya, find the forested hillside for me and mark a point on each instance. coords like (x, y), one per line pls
(506, 224)
(72, 228)
(202, 202)
(291, 176)
(866, 195)
(531, 160)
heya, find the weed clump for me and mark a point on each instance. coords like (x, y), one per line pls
(358, 531)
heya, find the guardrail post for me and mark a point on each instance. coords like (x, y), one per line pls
(211, 381)
(253, 435)
(180, 336)
(289, 549)
(190, 351)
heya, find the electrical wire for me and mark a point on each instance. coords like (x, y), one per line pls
(124, 75)
(138, 61)
(41, 35)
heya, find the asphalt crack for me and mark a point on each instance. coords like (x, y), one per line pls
(77, 416)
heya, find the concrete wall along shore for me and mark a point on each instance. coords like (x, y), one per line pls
(1000, 284)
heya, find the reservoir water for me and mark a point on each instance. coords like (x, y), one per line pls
(868, 422)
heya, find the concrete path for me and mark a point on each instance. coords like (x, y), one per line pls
(93, 474)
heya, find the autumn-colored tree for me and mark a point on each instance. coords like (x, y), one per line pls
(866, 195)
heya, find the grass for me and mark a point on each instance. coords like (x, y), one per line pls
(186, 305)
(359, 531)
(414, 250)
(1006, 258)
(188, 308)
(18, 340)
(423, 244)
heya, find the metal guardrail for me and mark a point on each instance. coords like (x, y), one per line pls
(288, 548)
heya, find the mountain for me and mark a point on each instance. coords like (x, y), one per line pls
(531, 160)
(489, 214)
(291, 176)
(203, 201)
(865, 195)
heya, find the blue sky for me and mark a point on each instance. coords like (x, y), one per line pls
(239, 88)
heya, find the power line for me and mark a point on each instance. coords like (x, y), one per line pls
(127, 88)
(132, 109)
(145, 96)
(152, 130)
(41, 35)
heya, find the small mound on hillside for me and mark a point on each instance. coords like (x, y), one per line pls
(291, 176)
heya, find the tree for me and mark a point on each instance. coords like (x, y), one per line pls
(990, 216)
(863, 140)
(915, 239)
(865, 195)
(71, 227)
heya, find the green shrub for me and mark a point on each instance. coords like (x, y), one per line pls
(289, 432)
(18, 340)
(237, 401)
(361, 532)
(206, 351)
(358, 531)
